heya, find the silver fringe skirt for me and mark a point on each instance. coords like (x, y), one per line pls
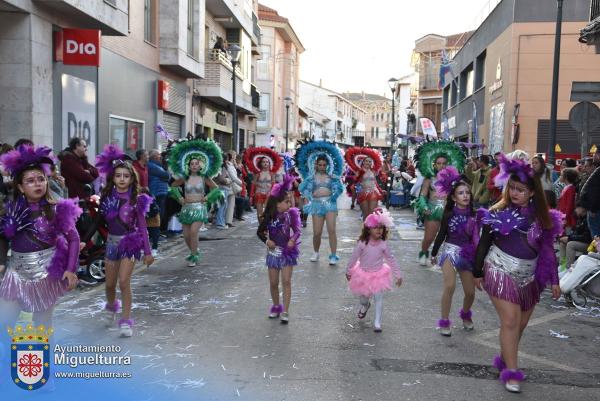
(452, 252)
(511, 279)
(26, 281)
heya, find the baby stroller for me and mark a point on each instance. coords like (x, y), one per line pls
(91, 257)
(582, 281)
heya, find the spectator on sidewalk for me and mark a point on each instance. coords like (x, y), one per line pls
(493, 190)
(224, 183)
(56, 185)
(559, 184)
(141, 167)
(577, 241)
(76, 169)
(23, 141)
(566, 202)
(544, 173)
(158, 181)
(481, 195)
(590, 197)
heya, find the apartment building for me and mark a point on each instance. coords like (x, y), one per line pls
(427, 57)
(504, 72)
(277, 77)
(233, 23)
(343, 122)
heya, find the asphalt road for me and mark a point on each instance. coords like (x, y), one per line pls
(202, 333)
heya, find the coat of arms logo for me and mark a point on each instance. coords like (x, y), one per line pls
(30, 356)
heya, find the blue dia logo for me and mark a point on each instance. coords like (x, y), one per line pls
(30, 356)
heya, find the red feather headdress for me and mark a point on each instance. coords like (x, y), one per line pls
(356, 155)
(252, 156)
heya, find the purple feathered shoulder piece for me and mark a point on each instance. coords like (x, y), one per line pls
(109, 158)
(503, 221)
(284, 186)
(446, 180)
(25, 156)
(143, 203)
(508, 167)
(67, 213)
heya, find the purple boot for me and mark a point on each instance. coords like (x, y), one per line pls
(275, 311)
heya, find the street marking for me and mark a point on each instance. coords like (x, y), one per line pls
(532, 322)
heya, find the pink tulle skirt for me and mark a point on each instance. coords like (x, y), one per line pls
(368, 283)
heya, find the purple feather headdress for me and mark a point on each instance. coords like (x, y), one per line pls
(281, 188)
(110, 158)
(446, 180)
(25, 156)
(509, 167)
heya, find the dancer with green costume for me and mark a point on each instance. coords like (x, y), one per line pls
(432, 157)
(193, 164)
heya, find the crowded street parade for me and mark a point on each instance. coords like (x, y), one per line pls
(246, 232)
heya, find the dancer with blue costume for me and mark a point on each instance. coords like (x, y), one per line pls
(193, 164)
(455, 244)
(432, 157)
(321, 165)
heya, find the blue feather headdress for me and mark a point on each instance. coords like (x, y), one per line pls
(307, 153)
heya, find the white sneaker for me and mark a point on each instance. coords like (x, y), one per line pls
(155, 253)
(333, 259)
(126, 329)
(284, 318)
(468, 325)
(314, 257)
(203, 228)
(445, 331)
(423, 260)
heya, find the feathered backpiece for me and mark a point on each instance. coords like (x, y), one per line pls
(110, 158)
(284, 186)
(379, 217)
(430, 150)
(509, 167)
(25, 156)
(446, 180)
(288, 161)
(308, 151)
(356, 155)
(252, 157)
(207, 152)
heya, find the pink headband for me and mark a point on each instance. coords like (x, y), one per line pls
(379, 217)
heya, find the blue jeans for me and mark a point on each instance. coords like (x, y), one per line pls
(594, 223)
(220, 217)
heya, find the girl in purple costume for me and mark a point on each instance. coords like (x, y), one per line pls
(515, 258)
(280, 230)
(43, 240)
(123, 210)
(456, 243)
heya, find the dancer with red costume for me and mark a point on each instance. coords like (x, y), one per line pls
(264, 164)
(515, 258)
(366, 162)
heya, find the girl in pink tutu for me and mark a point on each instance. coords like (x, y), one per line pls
(372, 267)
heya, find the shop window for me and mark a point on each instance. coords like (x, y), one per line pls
(480, 70)
(126, 134)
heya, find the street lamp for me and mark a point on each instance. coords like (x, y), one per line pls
(235, 51)
(392, 83)
(554, 99)
(288, 101)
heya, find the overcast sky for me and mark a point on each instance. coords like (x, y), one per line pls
(357, 45)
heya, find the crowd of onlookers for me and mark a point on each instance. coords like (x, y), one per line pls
(573, 188)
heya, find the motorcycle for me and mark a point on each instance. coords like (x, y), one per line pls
(582, 281)
(91, 257)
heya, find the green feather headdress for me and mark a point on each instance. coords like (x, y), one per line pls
(431, 150)
(207, 152)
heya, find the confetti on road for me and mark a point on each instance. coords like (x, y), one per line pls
(558, 335)
(369, 345)
(223, 366)
(237, 392)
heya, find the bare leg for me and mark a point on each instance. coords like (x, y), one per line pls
(125, 271)
(364, 208)
(274, 285)
(510, 331)
(9, 313)
(194, 228)
(286, 281)
(186, 235)
(525, 316)
(331, 232)
(449, 286)
(111, 269)
(431, 229)
(260, 208)
(372, 205)
(468, 285)
(318, 222)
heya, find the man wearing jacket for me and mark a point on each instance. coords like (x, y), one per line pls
(76, 169)
(158, 179)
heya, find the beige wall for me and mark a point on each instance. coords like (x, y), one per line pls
(526, 51)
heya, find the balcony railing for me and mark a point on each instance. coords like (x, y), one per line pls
(594, 9)
(256, 28)
(255, 96)
(222, 57)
